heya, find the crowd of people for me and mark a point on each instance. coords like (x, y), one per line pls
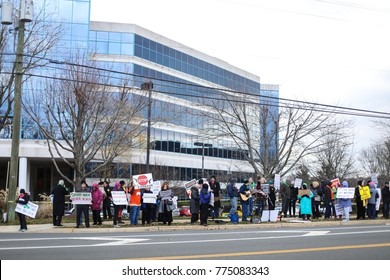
(315, 200)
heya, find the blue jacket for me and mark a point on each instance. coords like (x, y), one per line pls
(204, 196)
(305, 204)
(232, 190)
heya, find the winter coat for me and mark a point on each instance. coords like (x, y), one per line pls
(386, 195)
(205, 195)
(97, 198)
(328, 197)
(145, 205)
(374, 195)
(305, 204)
(23, 198)
(285, 191)
(163, 198)
(59, 193)
(345, 202)
(135, 197)
(195, 200)
(216, 188)
(108, 196)
(293, 193)
(232, 190)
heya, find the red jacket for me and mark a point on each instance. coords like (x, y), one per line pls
(135, 197)
(97, 198)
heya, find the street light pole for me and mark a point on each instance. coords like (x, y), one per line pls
(200, 144)
(25, 15)
(148, 86)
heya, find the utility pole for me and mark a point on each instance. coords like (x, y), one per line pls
(203, 145)
(148, 86)
(25, 15)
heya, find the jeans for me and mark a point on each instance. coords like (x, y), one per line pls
(250, 206)
(134, 214)
(260, 207)
(371, 211)
(346, 213)
(292, 204)
(285, 205)
(82, 209)
(245, 210)
(233, 205)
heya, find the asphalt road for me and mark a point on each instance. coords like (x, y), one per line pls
(301, 243)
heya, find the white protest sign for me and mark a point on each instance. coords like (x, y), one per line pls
(345, 192)
(374, 178)
(277, 181)
(339, 209)
(265, 188)
(30, 209)
(119, 197)
(149, 198)
(143, 181)
(81, 198)
(297, 183)
(156, 187)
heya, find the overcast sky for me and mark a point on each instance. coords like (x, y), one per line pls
(333, 52)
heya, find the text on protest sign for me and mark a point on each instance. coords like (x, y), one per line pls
(374, 178)
(119, 198)
(189, 184)
(149, 198)
(345, 193)
(265, 188)
(365, 193)
(304, 192)
(335, 182)
(156, 187)
(81, 198)
(143, 181)
(297, 183)
(30, 209)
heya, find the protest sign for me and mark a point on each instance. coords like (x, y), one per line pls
(365, 193)
(143, 181)
(297, 183)
(374, 178)
(190, 184)
(304, 192)
(345, 192)
(81, 198)
(339, 209)
(149, 198)
(30, 209)
(156, 187)
(336, 182)
(119, 198)
(265, 188)
(277, 181)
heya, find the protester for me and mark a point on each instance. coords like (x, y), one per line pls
(286, 197)
(23, 199)
(216, 189)
(146, 208)
(195, 201)
(252, 188)
(59, 193)
(232, 192)
(135, 204)
(293, 200)
(122, 207)
(165, 206)
(260, 198)
(204, 197)
(245, 194)
(386, 200)
(371, 211)
(82, 209)
(345, 203)
(328, 198)
(305, 207)
(271, 197)
(316, 201)
(97, 199)
(360, 203)
(107, 201)
(117, 188)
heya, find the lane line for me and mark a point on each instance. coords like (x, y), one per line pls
(258, 253)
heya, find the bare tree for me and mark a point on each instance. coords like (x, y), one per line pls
(41, 36)
(376, 159)
(87, 117)
(275, 140)
(335, 157)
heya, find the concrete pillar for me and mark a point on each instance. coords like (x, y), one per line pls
(23, 174)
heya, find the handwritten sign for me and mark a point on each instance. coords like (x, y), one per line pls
(81, 198)
(336, 182)
(277, 181)
(265, 188)
(156, 187)
(143, 181)
(374, 178)
(304, 192)
(297, 183)
(119, 198)
(345, 193)
(30, 209)
(149, 198)
(365, 193)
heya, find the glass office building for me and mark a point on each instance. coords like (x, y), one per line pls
(184, 80)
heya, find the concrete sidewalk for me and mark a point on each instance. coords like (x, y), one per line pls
(180, 225)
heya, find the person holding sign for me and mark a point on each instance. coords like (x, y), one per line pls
(371, 211)
(345, 203)
(59, 193)
(97, 199)
(360, 203)
(204, 196)
(305, 207)
(82, 208)
(135, 203)
(23, 199)
(146, 207)
(165, 206)
(386, 200)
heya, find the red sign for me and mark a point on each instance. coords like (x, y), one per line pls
(143, 180)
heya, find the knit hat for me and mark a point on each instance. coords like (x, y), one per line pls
(315, 184)
(61, 182)
(117, 185)
(22, 191)
(345, 184)
(95, 185)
